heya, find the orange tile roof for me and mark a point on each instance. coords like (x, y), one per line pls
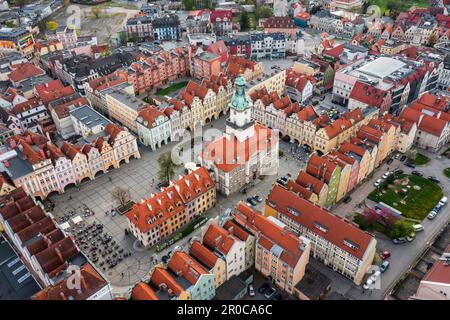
(52, 90)
(91, 282)
(371, 134)
(309, 182)
(337, 127)
(299, 189)
(338, 231)
(203, 254)
(432, 125)
(224, 152)
(25, 71)
(236, 230)
(164, 281)
(320, 168)
(194, 184)
(142, 291)
(150, 114)
(184, 265)
(219, 239)
(271, 233)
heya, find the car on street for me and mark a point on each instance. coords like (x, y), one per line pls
(418, 227)
(390, 161)
(368, 284)
(384, 266)
(399, 171)
(387, 174)
(417, 173)
(397, 156)
(399, 240)
(434, 179)
(410, 237)
(375, 276)
(377, 183)
(402, 158)
(410, 165)
(437, 208)
(347, 199)
(270, 293)
(432, 215)
(258, 198)
(251, 290)
(443, 201)
(264, 287)
(386, 254)
(252, 201)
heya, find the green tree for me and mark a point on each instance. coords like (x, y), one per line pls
(189, 4)
(411, 154)
(263, 12)
(10, 24)
(401, 228)
(244, 21)
(166, 167)
(123, 38)
(52, 25)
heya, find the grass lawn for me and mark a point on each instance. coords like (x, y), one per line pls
(420, 159)
(447, 172)
(172, 88)
(406, 4)
(416, 203)
(112, 4)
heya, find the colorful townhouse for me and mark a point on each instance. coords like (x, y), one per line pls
(194, 278)
(280, 255)
(327, 172)
(337, 243)
(245, 236)
(344, 177)
(318, 187)
(209, 261)
(162, 214)
(405, 132)
(165, 286)
(227, 247)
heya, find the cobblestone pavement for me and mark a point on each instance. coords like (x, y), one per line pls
(137, 176)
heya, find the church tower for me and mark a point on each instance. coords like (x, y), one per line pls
(240, 123)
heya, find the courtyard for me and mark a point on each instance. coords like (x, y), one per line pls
(414, 196)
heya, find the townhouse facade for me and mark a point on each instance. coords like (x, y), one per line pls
(153, 127)
(162, 214)
(348, 252)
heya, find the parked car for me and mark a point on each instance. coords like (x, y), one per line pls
(347, 199)
(385, 255)
(443, 201)
(410, 237)
(252, 201)
(398, 172)
(377, 183)
(402, 158)
(397, 156)
(251, 290)
(387, 174)
(434, 179)
(432, 215)
(258, 198)
(270, 293)
(384, 266)
(264, 287)
(368, 284)
(375, 276)
(418, 227)
(390, 161)
(410, 164)
(437, 208)
(417, 173)
(399, 240)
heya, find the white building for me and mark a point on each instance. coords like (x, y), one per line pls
(153, 127)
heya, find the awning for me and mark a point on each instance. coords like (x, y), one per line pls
(65, 225)
(77, 219)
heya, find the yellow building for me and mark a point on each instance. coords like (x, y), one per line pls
(123, 107)
(212, 262)
(5, 187)
(344, 178)
(273, 82)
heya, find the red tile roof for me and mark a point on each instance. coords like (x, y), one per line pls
(52, 90)
(320, 168)
(142, 291)
(271, 233)
(338, 231)
(219, 239)
(90, 280)
(368, 94)
(150, 114)
(224, 152)
(164, 281)
(279, 23)
(299, 189)
(25, 71)
(203, 254)
(184, 265)
(310, 182)
(221, 15)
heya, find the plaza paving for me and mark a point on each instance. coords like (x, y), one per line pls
(138, 177)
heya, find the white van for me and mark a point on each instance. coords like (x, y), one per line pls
(418, 227)
(443, 201)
